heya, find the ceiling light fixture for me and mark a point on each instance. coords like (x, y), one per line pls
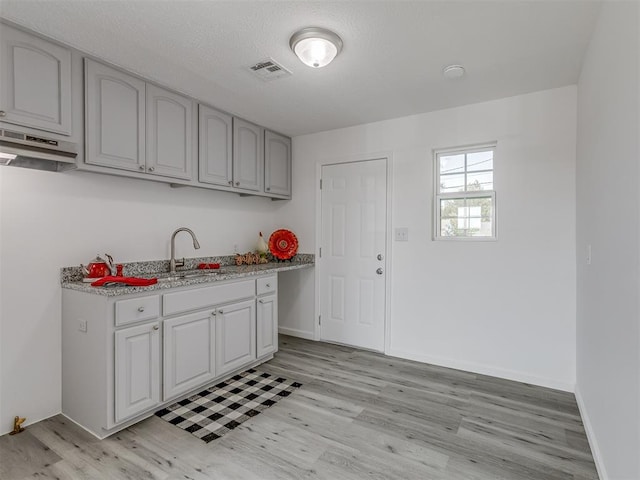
(453, 71)
(315, 46)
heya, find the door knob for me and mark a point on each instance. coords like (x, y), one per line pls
(379, 271)
(379, 256)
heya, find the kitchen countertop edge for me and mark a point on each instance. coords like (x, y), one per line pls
(230, 273)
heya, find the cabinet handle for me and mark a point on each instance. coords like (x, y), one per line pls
(260, 301)
(3, 113)
(141, 309)
(156, 327)
(141, 167)
(151, 169)
(220, 312)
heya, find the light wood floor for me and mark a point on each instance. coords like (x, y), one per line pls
(359, 415)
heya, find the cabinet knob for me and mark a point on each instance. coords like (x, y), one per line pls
(379, 271)
(213, 313)
(260, 301)
(156, 327)
(237, 184)
(268, 285)
(230, 182)
(3, 113)
(141, 309)
(151, 169)
(220, 312)
(379, 256)
(268, 189)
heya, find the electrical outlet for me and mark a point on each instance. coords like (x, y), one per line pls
(402, 234)
(82, 327)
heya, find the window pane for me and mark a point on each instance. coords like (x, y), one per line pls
(479, 181)
(451, 183)
(480, 161)
(482, 214)
(466, 217)
(451, 164)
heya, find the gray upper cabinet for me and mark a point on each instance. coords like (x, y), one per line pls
(215, 147)
(169, 133)
(248, 156)
(115, 118)
(277, 165)
(36, 82)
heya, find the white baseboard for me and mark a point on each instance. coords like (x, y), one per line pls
(294, 332)
(27, 422)
(593, 443)
(485, 370)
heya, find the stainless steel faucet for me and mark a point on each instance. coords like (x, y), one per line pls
(173, 263)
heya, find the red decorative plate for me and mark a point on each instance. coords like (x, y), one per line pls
(283, 244)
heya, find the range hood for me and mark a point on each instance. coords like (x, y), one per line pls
(40, 153)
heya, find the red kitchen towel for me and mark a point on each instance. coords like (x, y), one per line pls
(130, 281)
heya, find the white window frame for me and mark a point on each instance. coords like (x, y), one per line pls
(462, 195)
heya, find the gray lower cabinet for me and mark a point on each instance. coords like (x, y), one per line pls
(267, 325)
(137, 370)
(235, 336)
(248, 156)
(188, 354)
(215, 147)
(267, 315)
(125, 357)
(277, 165)
(114, 118)
(35, 77)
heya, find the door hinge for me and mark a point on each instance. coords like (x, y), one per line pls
(320, 252)
(320, 184)
(319, 319)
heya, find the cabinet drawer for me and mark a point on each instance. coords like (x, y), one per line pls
(190, 300)
(137, 309)
(267, 285)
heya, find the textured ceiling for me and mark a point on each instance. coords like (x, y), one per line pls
(391, 64)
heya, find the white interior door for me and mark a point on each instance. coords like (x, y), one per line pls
(352, 262)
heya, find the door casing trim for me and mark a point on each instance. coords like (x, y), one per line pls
(388, 157)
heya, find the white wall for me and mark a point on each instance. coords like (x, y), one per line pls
(608, 212)
(50, 220)
(505, 308)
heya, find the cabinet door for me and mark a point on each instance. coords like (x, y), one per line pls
(277, 164)
(215, 147)
(189, 346)
(36, 82)
(114, 118)
(267, 325)
(169, 133)
(235, 336)
(137, 368)
(248, 155)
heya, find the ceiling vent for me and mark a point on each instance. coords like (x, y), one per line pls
(268, 70)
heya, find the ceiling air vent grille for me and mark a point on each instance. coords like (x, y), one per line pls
(268, 70)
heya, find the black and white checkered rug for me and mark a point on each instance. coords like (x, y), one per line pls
(213, 412)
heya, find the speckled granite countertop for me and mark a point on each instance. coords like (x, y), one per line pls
(71, 277)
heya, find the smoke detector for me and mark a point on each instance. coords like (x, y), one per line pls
(453, 71)
(268, 70)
